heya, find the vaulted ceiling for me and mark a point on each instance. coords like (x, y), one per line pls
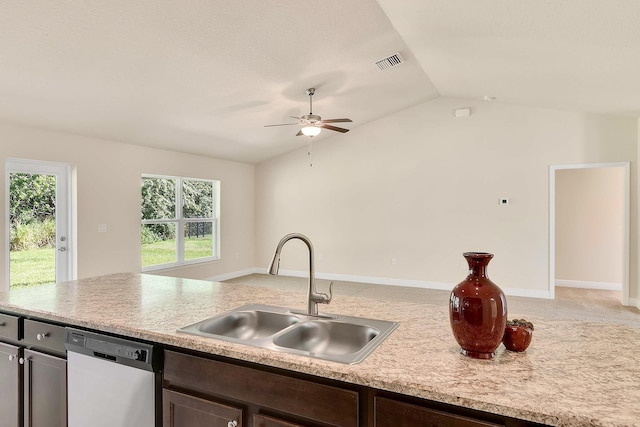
(205, 77)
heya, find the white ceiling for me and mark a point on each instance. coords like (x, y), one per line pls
(205, 76)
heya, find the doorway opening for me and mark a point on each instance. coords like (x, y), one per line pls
(589, 227)
(38, 223)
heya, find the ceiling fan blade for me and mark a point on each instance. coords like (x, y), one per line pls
(337, 129)
(282, 124)
(337, 121)
(297, 118)
(299, 133)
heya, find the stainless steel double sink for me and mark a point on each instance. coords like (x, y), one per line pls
(343, 339)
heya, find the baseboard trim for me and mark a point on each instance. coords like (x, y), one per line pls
(234, 274)
(634, 302)
(606, 286)
(529, 293)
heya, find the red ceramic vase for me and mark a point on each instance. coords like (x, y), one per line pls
(478, 310)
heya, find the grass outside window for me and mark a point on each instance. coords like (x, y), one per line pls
(164, 252)
(32, 266)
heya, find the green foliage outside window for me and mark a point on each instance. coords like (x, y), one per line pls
(169, 204)
(32, 210)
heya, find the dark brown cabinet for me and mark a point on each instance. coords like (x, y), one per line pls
(184, 410)
(44, 336)
(206, 391)
(33, 373)
(9, 328)
(10, 385)
(45, 390)
(45, 375)
(265, 421)
(297, 402)
(393, 413)
(10, 372)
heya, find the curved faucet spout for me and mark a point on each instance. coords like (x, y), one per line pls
(313, 298)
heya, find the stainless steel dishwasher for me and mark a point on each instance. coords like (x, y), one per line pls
(112, 382)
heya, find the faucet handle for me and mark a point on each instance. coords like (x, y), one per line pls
(330, 296)
(321, 298)
(326, 299)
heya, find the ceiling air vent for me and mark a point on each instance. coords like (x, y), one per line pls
(390, 62)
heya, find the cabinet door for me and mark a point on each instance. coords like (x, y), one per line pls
(392, 413)
(260, 420)
(299, 398)
(10, 383)
(45, 390)
(182, 410)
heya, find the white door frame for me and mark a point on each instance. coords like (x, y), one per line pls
(64, 258)
(552, 222)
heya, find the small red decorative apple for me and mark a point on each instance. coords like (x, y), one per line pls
(517, 335)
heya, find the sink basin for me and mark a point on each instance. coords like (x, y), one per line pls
(327, 337)
(246, 325)
(343, 339)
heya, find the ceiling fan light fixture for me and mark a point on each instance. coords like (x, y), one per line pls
(311, 130)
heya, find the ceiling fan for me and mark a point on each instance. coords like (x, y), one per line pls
(311, 123)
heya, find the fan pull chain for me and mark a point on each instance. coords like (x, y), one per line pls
(309, 151)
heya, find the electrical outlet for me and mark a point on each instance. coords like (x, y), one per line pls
(394, 261)
(102, 228)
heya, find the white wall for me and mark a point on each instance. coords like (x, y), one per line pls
(422, 187)
(108, 192)
(590, 226)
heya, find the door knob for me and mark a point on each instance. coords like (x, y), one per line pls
(62, 249)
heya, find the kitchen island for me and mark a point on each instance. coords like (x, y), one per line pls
(574, 374)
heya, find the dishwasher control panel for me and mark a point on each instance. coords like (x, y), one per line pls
(118, 350)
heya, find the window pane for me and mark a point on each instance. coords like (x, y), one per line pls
(158, 198)
(32, 229)
(197, 199)
(158, 244)
(198, 240)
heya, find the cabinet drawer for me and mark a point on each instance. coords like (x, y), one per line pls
(301, 398)
(9, 327)
(260, 420)
(44, 336)
(182, 410)
(393, 413)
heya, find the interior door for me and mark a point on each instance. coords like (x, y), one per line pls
(38, 222)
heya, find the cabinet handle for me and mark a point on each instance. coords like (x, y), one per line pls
(233, 423)
(40, 337)
(21, 361)
(12, 357)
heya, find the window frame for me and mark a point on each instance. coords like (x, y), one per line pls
(180, 222)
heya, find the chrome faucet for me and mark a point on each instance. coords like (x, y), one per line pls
(313, 298)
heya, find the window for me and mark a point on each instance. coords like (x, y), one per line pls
(179, 221)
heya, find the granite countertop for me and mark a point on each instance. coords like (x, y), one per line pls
(574, 374)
